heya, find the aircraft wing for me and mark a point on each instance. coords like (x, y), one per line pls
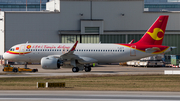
(67, 55)
(70, 55)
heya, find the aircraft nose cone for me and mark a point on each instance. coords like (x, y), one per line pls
(5, 56)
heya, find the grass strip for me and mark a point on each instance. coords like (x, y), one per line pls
(97, 83)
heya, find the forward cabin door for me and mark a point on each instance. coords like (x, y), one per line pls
(133, 50)
(22, 49)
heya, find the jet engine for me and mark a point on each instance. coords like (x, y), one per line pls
(51, 63)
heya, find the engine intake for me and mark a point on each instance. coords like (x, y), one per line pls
(51, 63)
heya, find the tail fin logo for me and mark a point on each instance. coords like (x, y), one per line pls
(154, 35)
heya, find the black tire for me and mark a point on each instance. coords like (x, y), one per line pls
(87, 69)
(75, 69)
(15, 70)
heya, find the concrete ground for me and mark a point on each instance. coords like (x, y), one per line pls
(99, 70)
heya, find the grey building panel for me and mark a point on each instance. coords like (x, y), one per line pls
(31, 27)
(70, 14)
(111, 12)
(91, 23)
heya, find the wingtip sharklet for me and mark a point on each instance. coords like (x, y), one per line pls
(74, 46)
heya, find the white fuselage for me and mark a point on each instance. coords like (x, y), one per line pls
(103, 53)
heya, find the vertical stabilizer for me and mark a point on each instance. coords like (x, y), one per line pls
(155, 34)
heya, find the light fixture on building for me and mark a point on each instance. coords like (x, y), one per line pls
(122, 14)
(81, 14)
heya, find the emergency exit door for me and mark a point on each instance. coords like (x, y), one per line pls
(133, 50)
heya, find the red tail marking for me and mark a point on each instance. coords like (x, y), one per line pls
(155, 34)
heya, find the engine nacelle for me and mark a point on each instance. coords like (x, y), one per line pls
(51, 63)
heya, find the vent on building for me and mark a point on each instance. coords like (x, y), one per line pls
(91, 29)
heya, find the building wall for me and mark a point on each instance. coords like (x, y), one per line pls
(2, 30)
(123, 21)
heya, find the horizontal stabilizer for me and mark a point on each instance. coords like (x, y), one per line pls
(151, 50)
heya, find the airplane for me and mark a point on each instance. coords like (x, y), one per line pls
(80, 56)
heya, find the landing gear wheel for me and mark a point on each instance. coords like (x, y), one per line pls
(87, 69)
(75, 69)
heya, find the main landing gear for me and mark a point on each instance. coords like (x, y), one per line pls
(86, 68)
(75, 69)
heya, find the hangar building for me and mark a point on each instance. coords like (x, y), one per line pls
(88, 21)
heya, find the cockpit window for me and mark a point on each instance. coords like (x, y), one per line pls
(12, 49)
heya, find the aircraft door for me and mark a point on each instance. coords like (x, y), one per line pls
(22, 49)
(133, 50)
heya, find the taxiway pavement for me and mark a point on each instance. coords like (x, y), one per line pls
(88, 96)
